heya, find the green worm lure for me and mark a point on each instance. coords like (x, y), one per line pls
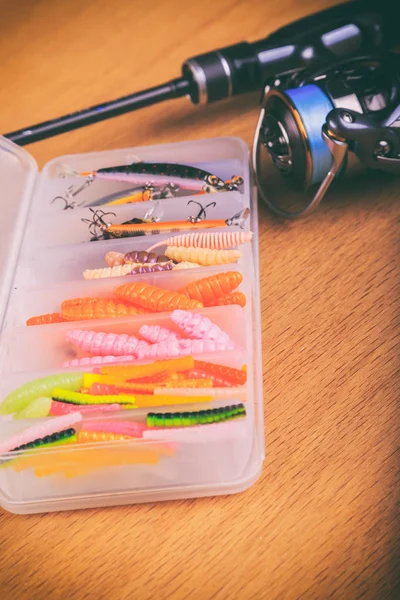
(21, 397)
(55, 439)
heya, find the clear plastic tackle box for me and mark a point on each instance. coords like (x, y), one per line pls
(44, 250)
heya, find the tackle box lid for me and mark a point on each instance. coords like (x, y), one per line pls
(18, 171)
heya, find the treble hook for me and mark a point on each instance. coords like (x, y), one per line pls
(72, 192)
(97, 222)
(202, 213)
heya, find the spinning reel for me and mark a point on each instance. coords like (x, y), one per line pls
(311, 120)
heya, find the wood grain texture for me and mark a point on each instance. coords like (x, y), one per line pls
(323, 520)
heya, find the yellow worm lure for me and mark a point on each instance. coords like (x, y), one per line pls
(202, 256)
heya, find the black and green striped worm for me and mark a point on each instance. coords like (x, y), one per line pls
(61, 437)
(201, 417)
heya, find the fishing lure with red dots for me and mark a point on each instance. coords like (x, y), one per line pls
(162, 174)
(158, 181)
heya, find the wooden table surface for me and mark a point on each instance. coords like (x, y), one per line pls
(322, 521)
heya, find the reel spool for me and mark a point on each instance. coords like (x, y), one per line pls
(292, 137)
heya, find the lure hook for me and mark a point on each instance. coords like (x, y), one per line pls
(239, 219)
(97, 222)
(71, 192)
(202, 214)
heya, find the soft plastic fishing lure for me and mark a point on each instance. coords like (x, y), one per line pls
(36, 409)
(216, 381)
(41, 430)
(206, 434)
(88, 437)
(62, 408)
(210, 289)
(132, 400)
(201, 382)
(102, 309)
(46, 319)
(61, 437)
(82, 300)
(115, 259)
(184, 265)
(182, 348)
(100, 343)
(154, 298)
(141, 257)
(163, 174)
(20, 398)
(201, 328)
(156, 268)
(139, 371)
(109, 389)
(156, 334)
(234, 298)
(201, 417)
(213, 240)
(229, 374)
(100, 229)
(97, 360)
(217, 393)
(130, 428)
(202, 256)
(104, 272)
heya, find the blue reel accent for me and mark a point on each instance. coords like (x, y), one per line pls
(313, 106)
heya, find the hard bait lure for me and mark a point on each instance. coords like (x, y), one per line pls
(139, 227)
(233, 298)
(102, 344)
(97, 360)
(156, 333)
(154, 298)
(210, 289)
(145, 193)
(201, 328)
(229, 374)
(20, 398)
(46, 319)
(101, 309)
(202, 256)
(42, 430)
(163, 174)
(218, 240)
(200, 417)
